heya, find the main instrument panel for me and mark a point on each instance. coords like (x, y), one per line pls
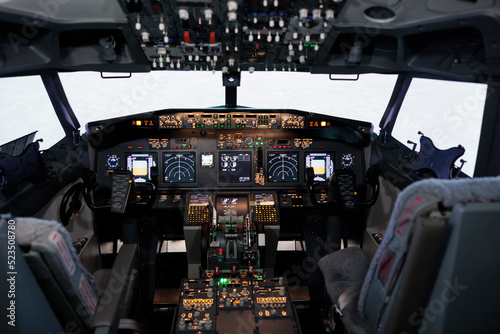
(217, 149)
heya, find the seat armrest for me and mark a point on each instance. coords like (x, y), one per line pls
(108, 311)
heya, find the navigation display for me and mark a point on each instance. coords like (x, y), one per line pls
(323, 165)
(179, 167)
(140, 165)
(283, 166)
(235, 167)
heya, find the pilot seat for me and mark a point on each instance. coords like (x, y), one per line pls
(58, 289)
(431, 271)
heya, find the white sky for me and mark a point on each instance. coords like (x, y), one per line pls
(450, 113)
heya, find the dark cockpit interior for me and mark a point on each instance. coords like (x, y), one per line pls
(235, 219)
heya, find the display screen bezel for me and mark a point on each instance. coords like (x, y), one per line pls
(272, 181)
(232, 180)
(154, 164)
(193, 166)
(332, 159)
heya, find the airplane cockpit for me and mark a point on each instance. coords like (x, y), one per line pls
(241, 219)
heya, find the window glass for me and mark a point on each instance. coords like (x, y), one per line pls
(25, 107)
(93, 98)
(450, 113)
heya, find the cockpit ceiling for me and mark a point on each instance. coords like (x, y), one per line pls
(453, 39)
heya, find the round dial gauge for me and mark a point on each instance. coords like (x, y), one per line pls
(113, 161)
(347, 160)
(248, 141)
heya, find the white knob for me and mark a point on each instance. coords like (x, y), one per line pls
(322, 35)
(232, 6)
(271, 23)
(308, 37)
(329, 14)
(183, 14)
(301, 47)
(251, 69)
(302, 59)
(208, 15)
(316, 13)
(303, 13)
(145, 36)
(231, 16)
(269, 37)
(277, 37)
(250, 37)
(281, 22)
(295, 34)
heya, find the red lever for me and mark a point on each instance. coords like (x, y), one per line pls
(186, 36)
(212, 37)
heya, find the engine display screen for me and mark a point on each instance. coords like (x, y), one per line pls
(235, 167)
(323, 165)
(179, 167)
(282, 166)
(140, 165)
(232, 205)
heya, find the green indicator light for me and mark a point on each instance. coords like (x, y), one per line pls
(216, 126)
(184, 145)
(228, 116)
(214, 234)
(215, 116)
(312, 45)
(238, 126)
(250, 146)
(259, 138)
(197, 125)
(242, 126)
(222, 125)
(306, 45)
(203, 125)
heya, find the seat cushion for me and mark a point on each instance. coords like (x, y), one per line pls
(342, 269)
